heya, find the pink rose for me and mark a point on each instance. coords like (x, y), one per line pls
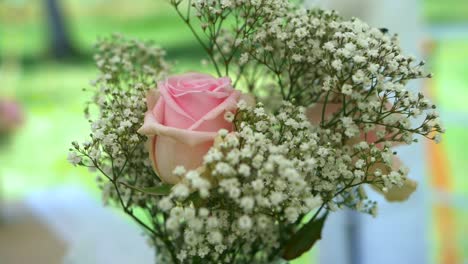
(183, 119)
(11, 116)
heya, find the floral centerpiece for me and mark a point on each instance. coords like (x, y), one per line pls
(245, 166)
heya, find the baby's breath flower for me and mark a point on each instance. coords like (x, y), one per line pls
(242, 105)
(179, 171)
(245, 222)
(73, 158)
(229, 116)
(180, 191)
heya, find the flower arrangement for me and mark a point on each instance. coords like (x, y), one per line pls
(245, 167)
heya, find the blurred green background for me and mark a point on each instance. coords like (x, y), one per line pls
(51, 90)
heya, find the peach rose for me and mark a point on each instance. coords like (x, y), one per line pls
(395, 194)
(11, 116)
(183, 119)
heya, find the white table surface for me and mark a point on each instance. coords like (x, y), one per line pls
(93, 233)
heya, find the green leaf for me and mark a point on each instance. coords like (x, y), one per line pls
(196, 199)
(304, 238)
(163, 189)
(160, 190)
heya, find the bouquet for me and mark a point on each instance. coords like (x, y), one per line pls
(244, 166)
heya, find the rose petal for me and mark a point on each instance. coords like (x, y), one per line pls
(399, 194)
(195, 94)
(196, 82)
(314, 113)
(152, 127)
(150, 145)
(229, 104)
(152, 98)
(175, 115)
(198, 104)
(174, 153)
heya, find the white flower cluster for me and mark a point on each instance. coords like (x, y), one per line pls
(129, 68)
(223, 40)
(254, 186)
(327, 60)
(315, 56)
(318, 48)
(260, 182)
